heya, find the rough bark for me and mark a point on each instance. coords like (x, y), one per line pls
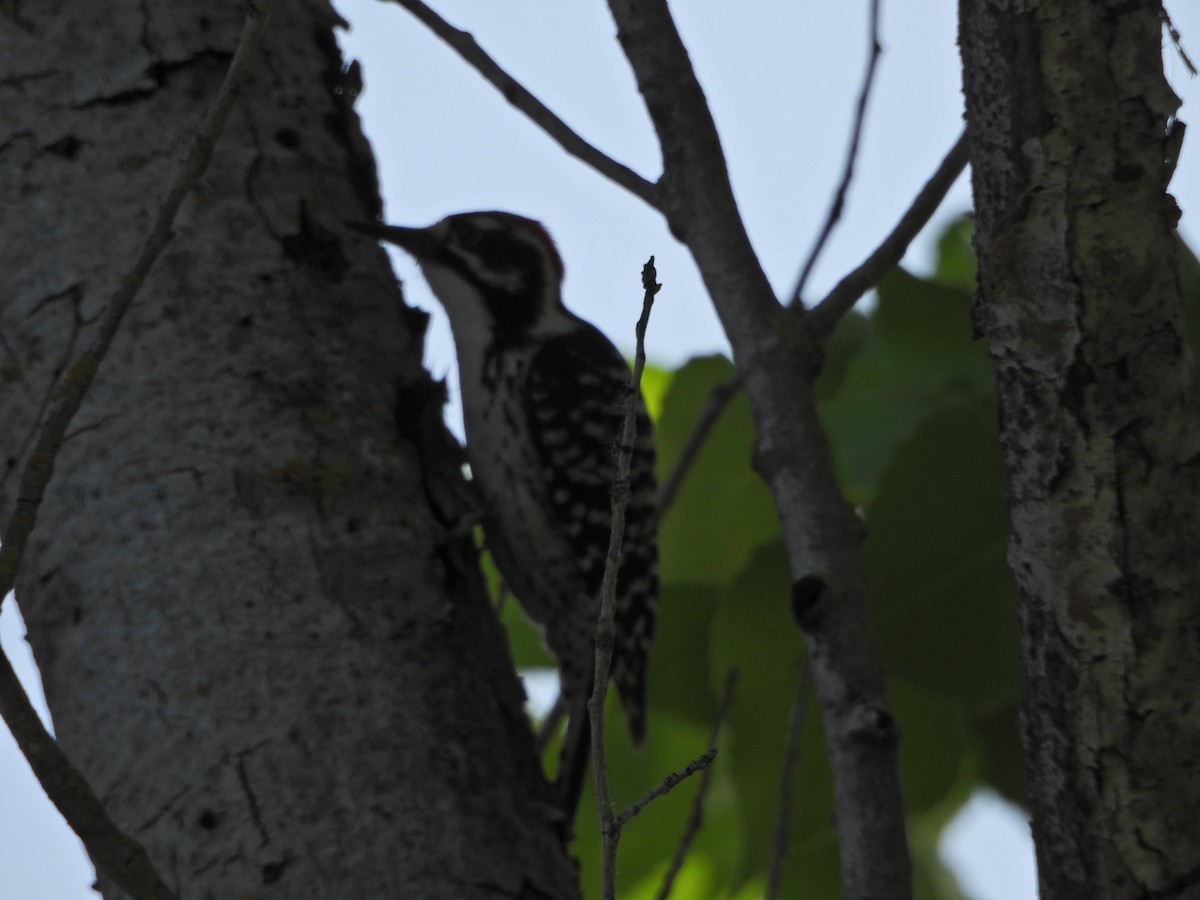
(1072, 146)
(258, 640)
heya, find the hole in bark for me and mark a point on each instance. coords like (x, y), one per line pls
(66, 147)
(806, 598)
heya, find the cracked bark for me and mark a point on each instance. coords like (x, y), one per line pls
(255, 639)
(1072, 135)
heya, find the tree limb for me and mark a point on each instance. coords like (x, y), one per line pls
(465, 45)
(119, 855)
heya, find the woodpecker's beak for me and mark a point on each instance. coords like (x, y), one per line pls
(420, 242)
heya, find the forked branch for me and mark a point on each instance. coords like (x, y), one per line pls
(826, 314)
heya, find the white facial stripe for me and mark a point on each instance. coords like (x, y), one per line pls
(511, 281)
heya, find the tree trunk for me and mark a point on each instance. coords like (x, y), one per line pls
(1072, 147)
(258, 639)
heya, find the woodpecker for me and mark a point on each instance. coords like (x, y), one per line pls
(543, 395)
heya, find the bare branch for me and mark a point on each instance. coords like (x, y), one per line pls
(668, 784)
(839, 198)
(465, 45)
(610, 825)
(696, 819)
(117, 854)
(791, 761)
(718, 401)
(1177, 40)
(825, 315)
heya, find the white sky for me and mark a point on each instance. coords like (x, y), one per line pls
(781, 79)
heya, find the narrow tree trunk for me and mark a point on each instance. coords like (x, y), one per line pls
(776, 354)
(258, 640)
(1072, 147)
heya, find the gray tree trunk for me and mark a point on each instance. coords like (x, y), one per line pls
(1072, 147)
(258, 640)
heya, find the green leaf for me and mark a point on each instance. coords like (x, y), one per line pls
(655, 382)
(524, 638)
(847, 339)
(956, 255)
(695, 878)
(918, 357)
(933, 745)
(679, 678)
(723, 511)
(942, 596)
(813, 868)
(754, 633)
(998, 747)
(931, 880)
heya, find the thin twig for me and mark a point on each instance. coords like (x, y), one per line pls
(117, 854)
(465, 45)
(696, 819)
(839, 198)
(826, 314)
(791, 761)
(718, 400)
(1177, 40)
(610, 829)
(668, 784)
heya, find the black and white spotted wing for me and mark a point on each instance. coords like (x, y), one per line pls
(575, 394)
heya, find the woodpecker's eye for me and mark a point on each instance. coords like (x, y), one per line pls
(468, 235)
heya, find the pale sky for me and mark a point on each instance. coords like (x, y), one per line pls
(781, 79)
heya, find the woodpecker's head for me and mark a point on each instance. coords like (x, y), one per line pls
(491, 270)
